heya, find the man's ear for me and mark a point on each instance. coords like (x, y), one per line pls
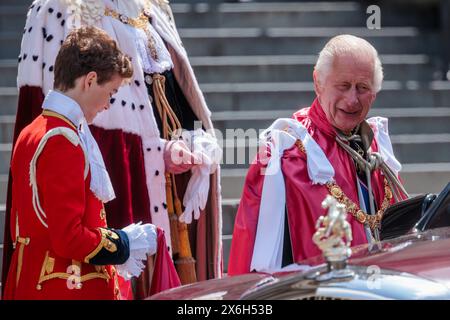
(90, 79)
(317, 85)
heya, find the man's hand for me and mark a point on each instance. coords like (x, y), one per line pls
(178, 158)
(142, 242)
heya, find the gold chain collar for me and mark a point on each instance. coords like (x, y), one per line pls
(372, 220)
(362, 217)
(140, 22)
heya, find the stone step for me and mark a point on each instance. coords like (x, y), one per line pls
(229, 210)
(299, 14)
(12, 18)
(422, 148)
(410, 148)
(257, 41)
(234, 2)
(7, 128)
(288, 95)
(293, 68)
(268, 14)
(3, 187)
(8, 70)
(254, 14)
(278, 68)
(401, 120)
(418, 178)
(8, 100)
(1, 263)
(226, 246)
(270, 41)
(17, 2)
(5, 157)
(2, 221)
(291, 95)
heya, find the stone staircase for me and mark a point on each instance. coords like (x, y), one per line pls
(254, 62)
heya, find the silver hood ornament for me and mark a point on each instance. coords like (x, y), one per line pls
(331, 230)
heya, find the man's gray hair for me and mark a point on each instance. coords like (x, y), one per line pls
(343, 44)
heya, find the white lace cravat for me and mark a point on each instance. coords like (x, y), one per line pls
(100, 183)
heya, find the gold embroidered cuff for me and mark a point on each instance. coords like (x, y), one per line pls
(98, 248)
(104, 243)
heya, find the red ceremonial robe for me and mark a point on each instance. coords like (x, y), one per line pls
(303, 199)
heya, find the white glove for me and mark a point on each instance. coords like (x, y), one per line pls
(204, 146)
(143, 242)
(196, 194)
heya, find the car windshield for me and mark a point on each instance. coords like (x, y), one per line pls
(438, 215)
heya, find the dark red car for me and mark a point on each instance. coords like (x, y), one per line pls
(413, 266)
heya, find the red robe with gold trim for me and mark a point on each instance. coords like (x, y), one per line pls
(303, 199)
(47, 261)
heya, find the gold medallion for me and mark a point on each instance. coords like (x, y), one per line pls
(360, 216)
(336, 191)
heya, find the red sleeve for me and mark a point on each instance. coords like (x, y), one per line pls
(61, 185)
(29, 107)
(246, 221)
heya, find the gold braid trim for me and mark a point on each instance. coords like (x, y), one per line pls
(65, 276)
(49, 113)
(22, 243)
(104, 243)
(48, 274)
(373, 221)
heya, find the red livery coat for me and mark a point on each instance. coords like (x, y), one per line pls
(48, 263)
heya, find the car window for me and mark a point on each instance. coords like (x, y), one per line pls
(438, 214)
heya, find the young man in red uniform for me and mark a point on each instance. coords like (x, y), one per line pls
(63, 247)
